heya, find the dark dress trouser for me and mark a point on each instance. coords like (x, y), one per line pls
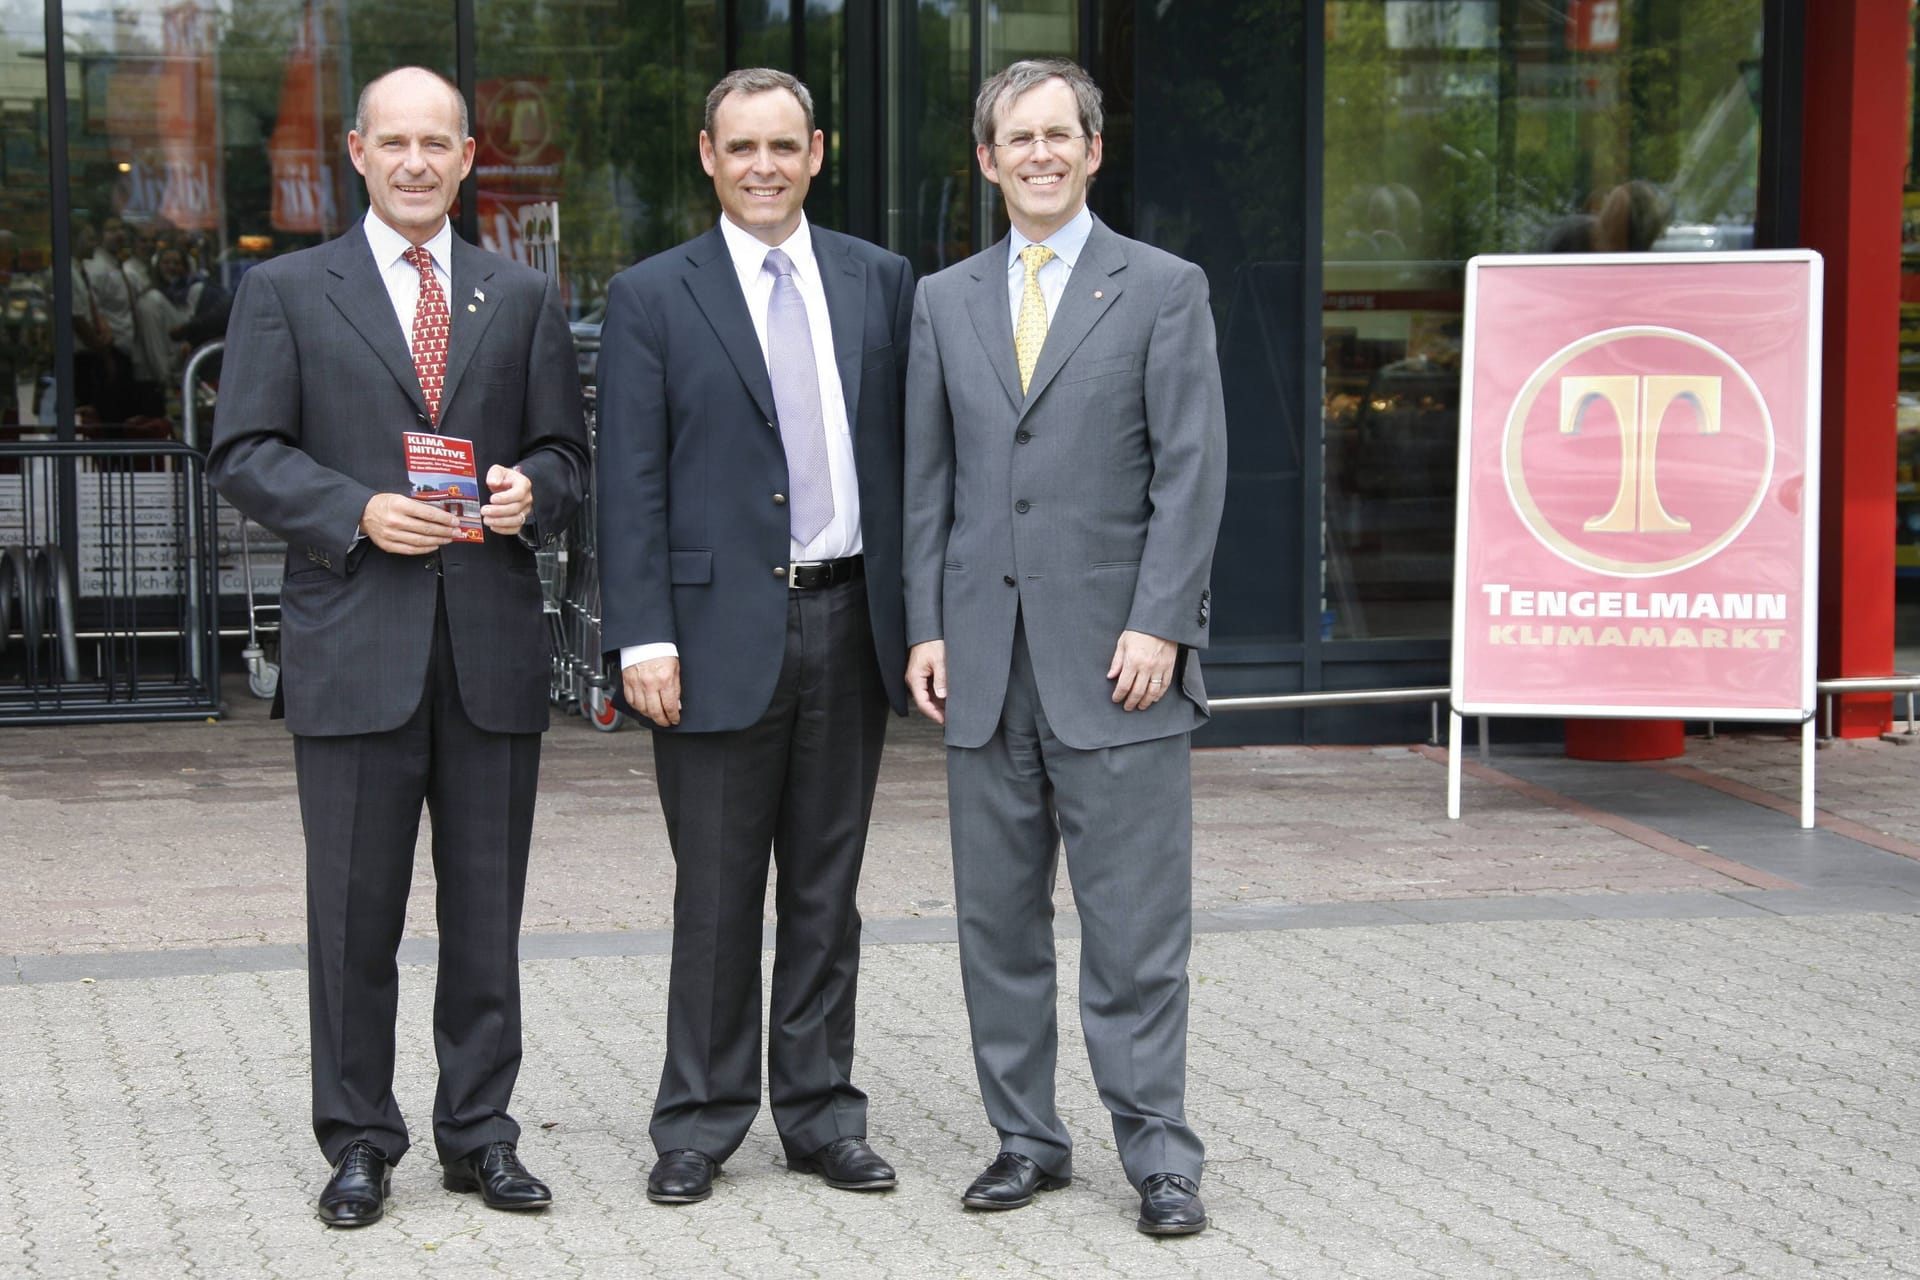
(798, 782)
(1125, 818)
(360, 798)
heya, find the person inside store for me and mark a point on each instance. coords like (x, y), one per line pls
(162, 309)
(103, 320)
(414, 667)
(750, 399)
(1066, 470)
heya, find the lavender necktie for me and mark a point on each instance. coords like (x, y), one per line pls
(796, 399)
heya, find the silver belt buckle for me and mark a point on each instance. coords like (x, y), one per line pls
(793, 571)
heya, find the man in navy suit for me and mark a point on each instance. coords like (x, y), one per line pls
(751, 383)
(413, 666)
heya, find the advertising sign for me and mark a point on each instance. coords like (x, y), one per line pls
(518, 164)
(304, 149)
(1639, 446)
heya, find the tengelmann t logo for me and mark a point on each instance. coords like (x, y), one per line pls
(1640, 404)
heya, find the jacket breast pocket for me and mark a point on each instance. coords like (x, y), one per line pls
(506, 371)
(1111, 367)
(690, 568)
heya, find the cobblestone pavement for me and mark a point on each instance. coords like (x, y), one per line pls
(1597, 1098)
(152, 836)
(1555, 1038)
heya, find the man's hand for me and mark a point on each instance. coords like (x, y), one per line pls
(1142, 669)
(512, 500)
(653, 689)
(927, 679)
(398, 524)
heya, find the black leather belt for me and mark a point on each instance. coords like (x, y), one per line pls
(805, 575)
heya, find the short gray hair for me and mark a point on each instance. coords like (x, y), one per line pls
(1030, 73)
(751, 80)
(360, 108)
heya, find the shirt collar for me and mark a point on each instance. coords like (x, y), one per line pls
(389, 246)
(749, 252)
(1066, 243)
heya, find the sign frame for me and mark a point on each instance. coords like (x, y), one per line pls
(1806, 289)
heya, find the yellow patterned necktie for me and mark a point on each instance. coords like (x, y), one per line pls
(1030, 332)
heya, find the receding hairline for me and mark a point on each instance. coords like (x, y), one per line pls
(459, 100)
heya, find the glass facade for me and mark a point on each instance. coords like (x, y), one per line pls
(1460, 128)
(1332, 166)
(26, 219)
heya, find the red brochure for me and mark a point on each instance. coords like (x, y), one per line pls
(440, 471)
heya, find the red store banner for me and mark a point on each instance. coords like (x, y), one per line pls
(306, 150)
(189, 118)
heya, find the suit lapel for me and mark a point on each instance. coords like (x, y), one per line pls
(357, 291)
(716, 289)
(472, 269)
(992, 317)
(1091, 289)
(845, 283)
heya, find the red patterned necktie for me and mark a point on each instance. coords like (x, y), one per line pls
(430, 323)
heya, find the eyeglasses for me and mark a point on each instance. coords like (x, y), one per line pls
(1023, 142)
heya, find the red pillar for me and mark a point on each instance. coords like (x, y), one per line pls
(1851, 168)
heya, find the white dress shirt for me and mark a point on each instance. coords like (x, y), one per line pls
(401, 277)
(1066, 243)
(841, 537)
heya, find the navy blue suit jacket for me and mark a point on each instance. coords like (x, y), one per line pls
(690, 461)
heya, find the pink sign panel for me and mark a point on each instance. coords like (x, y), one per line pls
(1638, 481)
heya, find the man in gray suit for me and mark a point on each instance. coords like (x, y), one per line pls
(1066, 464)
(414, 666)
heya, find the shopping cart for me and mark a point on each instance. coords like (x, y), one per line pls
(570, 579)
(263, 617)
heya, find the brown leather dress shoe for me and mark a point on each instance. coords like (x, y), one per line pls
(356, 1194)
(849, 1164)
(496, 1173)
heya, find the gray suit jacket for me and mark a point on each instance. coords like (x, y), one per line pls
(1089, 506)
(317, 385)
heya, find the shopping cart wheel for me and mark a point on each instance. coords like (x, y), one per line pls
(263, 679)
(600, 712)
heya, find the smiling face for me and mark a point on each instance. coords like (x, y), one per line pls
(1044, 185)
(412, 154)
(762, 159)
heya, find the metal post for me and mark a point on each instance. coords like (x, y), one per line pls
(1806, 775)
(1453, 763)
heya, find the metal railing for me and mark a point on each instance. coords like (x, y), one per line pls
(190, 400)
(1898, 682)
(1439, 695)
(120, 626)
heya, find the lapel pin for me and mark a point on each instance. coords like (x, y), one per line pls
(471, 307)
(1098, 294)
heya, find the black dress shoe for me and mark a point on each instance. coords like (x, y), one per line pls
(1170, 1206)
(496, 1173)
(849, 1164)
(681, 1177)
(1009, 1182)
(356, 1194)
